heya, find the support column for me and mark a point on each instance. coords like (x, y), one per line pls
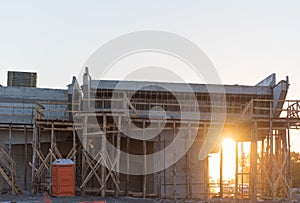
(117, 190)
(74, 146)
(174, 165)
(289, 161)
(127, 165)
(74, 149)
(284, 165)
(112, 139)
(221, 171)
(83, 159)
(206, 171)
(165, 178)
(1, 184)
(272, 177)
(34, 149)
(253, 164)
(25, 157)
(188, 167)
(103, 149)
(127, 157)
(242, 173)
(51, 157)
(9, 139)
(268, 187)
(39, 186)
(159, 163)
(145, 161)
(262, 162)
(236, 171)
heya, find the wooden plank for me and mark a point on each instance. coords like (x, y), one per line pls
(25, 157)
(9, 181)
(103, 149)
(145, 161)
(94, 166)
(253, 165)
(289, 158)
(127, 158)
(9, 139)
(221, 171)
(188, 165)
(84, 155)
(118, 155)
(1, 185)
(75, 151)
(262, 155)
(51, 157)
(165, 168)
(206, 169)
(236, 171)
(271, 166)
(159, 164)
(174, 165)
(34, 148)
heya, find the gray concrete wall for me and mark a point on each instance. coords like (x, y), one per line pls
(179, 169)
(17, 104)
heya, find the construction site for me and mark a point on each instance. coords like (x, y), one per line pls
(39, 126)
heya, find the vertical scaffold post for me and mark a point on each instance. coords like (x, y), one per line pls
(159, 163)
(118, 155)
(83, 158)
(221, 171)
(127, 157)
(145, 160)
(188, 164)
(25, 157)
(34, 150)
(103, 159)
(51, 157)
(174, 165)
(236, 171)
(74, 147)
(206, 170)
(253, 164)
(9, 139)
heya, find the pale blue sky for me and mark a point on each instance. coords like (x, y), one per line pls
(246, 40)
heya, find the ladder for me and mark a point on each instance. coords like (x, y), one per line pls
(8, 170)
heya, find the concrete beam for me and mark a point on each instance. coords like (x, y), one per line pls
(178, 87)
(279, 93)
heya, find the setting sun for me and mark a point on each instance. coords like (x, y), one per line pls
(228, 146)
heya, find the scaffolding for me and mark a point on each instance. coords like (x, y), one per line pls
(249, 118)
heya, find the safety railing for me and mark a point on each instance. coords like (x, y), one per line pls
(267, 109)
(293, 110)
(142, 106)
(50, 110)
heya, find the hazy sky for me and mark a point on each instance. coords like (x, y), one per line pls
(246, 40)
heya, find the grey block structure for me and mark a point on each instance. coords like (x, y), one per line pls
(40, 125)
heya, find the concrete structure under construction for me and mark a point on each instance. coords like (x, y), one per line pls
(39, 125)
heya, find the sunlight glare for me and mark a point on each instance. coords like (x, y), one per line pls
(228, 146)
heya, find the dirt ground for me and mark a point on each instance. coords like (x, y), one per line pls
(39, 198)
